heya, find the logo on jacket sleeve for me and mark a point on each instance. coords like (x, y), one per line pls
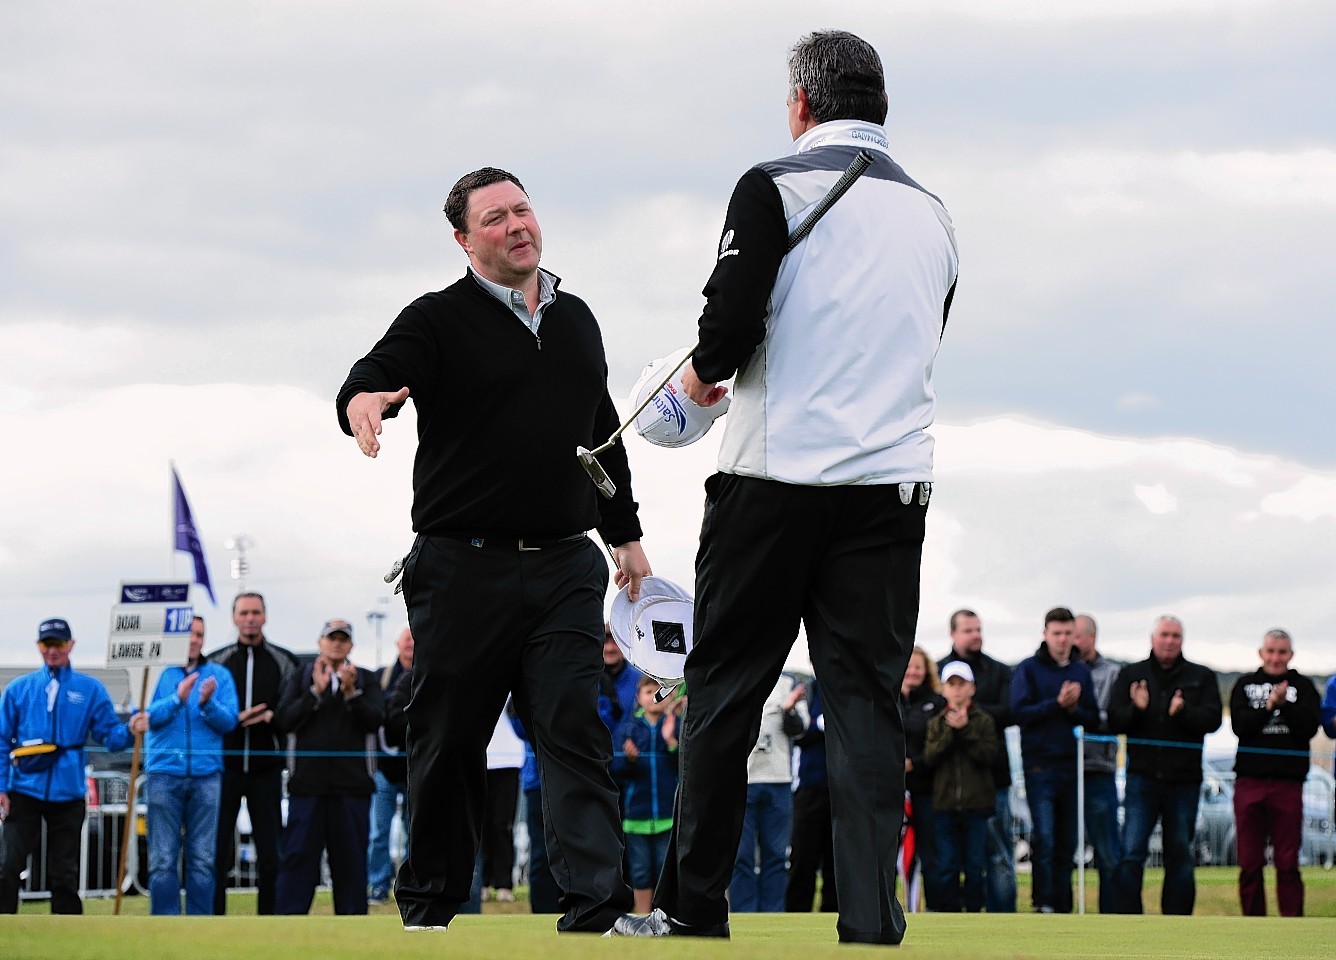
(726, 248)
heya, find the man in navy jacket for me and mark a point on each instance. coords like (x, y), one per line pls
(45, 720)
(192, 707)
(1051, 693)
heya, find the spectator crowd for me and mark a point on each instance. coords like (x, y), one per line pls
(253, 721)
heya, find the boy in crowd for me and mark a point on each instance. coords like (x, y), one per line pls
(960, 746)
(645, 766)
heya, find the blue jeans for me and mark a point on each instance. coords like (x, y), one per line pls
(927, 849)
(1052, 795)
(962, 842)
(1101, 829)
(1175, 806)
(645, 853)
(384, 802)
(178, 805)
(999, 893)
(766, 825)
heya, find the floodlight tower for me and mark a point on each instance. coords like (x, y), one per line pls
(240, 566)
(376, 618)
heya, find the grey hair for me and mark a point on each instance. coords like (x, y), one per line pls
(1278, 634)
(842, 76)
(1094, 627)
(1162, 618)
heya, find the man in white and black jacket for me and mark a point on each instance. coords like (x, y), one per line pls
(1275, 713)
(504, 589)
(817, 511)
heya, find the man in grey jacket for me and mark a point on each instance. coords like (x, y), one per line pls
(1101, 764)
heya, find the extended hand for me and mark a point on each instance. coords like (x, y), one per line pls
(701, 394)
(321, 671)
(364, 413)
(260, 713)
(206, 690)
(632, 567)
(185, 686)
(629, 750)
(1176, 704)
(1069, 695)
(669, 727)
(1278, 693)
(957, 717)
(139, 722)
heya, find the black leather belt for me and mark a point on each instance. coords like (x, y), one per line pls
(521, 544)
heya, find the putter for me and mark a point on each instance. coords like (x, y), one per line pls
(589, 458)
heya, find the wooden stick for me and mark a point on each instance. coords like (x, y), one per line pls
(131, 815)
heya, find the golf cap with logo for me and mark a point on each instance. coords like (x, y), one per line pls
(332, 627)
(957, 668)
(654, 633)
(671, 419)
(54, 630)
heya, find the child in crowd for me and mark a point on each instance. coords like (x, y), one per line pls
(960, 745)
(645, 766)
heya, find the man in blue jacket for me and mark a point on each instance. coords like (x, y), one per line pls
(1051, 693)
(192, 707)
(45, 720)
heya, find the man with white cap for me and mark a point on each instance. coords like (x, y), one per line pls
(817, 512)
(46, 717)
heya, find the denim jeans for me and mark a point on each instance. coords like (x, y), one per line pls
(999, 892)
(962, 841)
(765, 825)
(384, 802)
(1175, 806)
(178, 805)
(1052, 794)
(1101, 830)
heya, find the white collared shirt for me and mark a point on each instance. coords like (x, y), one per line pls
(514, 299)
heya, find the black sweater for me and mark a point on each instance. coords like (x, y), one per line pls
(500, 412)
(1161, 747)
(331, 734)
(1289, 727)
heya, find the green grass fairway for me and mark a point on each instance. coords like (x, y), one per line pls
(756, 937)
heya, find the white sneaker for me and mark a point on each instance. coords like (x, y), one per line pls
(419, 928)
(505, 896)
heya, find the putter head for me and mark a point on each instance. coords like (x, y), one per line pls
(596, 472)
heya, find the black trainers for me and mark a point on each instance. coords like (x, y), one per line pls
(659, 924)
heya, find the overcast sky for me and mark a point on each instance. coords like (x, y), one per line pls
(208, 211)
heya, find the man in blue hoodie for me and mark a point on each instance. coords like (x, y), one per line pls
(192, 707)
(45, 720)
(1051, 693)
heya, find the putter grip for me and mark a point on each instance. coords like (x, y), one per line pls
(854, 171)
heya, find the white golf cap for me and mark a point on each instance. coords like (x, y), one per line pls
(957, 668)
(654, 633)
(671, 419)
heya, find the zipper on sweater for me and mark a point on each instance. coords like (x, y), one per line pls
(55, 738)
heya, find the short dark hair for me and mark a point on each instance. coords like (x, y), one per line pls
(197, 619)
(841, 74)
(958, 614)
(457, 203)
(1059, 615)
(247, 595)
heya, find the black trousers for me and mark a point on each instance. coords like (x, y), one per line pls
(844, 561)
(498, 838)
(332, 824)
(264, 803)
(19, 838)
(811, 851)
(489, 621)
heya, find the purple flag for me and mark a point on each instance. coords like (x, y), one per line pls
(187, 537)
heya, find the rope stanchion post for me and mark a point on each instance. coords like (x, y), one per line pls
(1079, 731)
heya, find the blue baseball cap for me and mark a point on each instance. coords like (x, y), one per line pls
(54, 629)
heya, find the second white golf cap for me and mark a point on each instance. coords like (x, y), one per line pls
(671, 419)
(654, 633)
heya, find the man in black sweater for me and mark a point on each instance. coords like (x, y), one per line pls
(1275, 713)
(1166, 704)
(504, 589)
(253, 753)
